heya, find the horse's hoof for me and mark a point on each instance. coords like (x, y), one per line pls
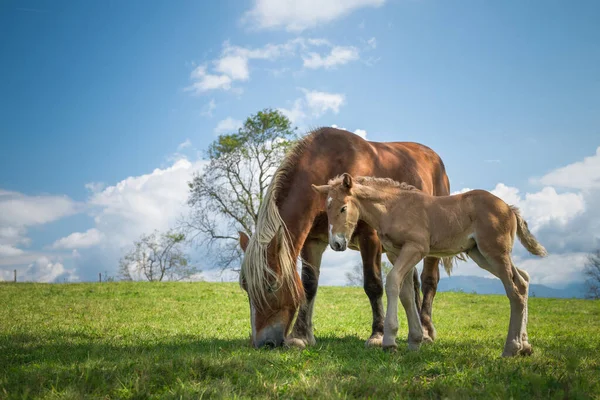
(427, 338)
(374, 341)
(295, 342)
(390, 348)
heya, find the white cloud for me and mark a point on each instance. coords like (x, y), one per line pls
(372, 43)
(143, 203)
(184, 145)
(19, 210)
(228, 125)
(9, 251)
(313, 105)
(79, 240)
(360, 132)
(321, 102)
(297, 112)
(95, 186)
(580, 175)
(339, 55)
(209, 108)
(233, 64)
(44, 270)
(543, 207)
(297, 15)
(204, 82)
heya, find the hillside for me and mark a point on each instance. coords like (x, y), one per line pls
(480, 285)
(190, 340)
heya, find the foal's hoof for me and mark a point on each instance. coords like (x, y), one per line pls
(414, 346)
(526, 350)
(374, 341)
(390, 349)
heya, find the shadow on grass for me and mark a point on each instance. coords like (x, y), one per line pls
(83, 364)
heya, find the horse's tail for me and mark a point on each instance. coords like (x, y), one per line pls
(526, 237)
(449, 262)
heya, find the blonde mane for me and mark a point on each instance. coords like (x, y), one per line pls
(259, 278)
(374, 182)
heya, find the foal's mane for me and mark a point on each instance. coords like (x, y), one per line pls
(255, 271)
(372, 181)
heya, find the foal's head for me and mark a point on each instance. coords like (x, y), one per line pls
(342, 210)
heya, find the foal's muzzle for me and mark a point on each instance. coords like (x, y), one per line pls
(338, 243)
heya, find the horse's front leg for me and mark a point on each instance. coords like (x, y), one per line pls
(302, 334)
(370, 251)
(399, 283)
(429, 282)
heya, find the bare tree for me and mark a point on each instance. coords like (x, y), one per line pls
(225, 197)
(355, 276)
(592, 273)
(156, 257)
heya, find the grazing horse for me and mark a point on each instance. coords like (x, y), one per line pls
(292, 223)
(412, 224)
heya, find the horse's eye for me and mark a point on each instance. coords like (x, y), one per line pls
(343, 209)
(271, 288)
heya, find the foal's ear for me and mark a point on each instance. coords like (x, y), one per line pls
(244, 239)
(322, 189)
(347, 180)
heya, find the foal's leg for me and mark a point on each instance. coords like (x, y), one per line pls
(527, 348)
(302, 333)
(516, 288)
(429, 281)
(370, 251)
(399, 284)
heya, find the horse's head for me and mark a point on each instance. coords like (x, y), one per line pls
(342, 210)
(274, 288)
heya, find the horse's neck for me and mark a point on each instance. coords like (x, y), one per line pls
(298, 211)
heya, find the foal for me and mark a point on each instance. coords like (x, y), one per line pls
(412, 225)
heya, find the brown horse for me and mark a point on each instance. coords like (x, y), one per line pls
(292, 222)
(413, 224)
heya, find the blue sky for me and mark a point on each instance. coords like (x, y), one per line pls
(105, 107)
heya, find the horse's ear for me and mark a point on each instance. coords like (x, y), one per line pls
(347, 180)
(244, 239)
(322, 189)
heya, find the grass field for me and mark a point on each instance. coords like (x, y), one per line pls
(191, 340)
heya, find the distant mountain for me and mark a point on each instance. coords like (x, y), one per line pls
(470, 284)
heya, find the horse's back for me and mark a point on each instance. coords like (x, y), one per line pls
(409, 162)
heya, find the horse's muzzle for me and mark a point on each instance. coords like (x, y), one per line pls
(270, 337)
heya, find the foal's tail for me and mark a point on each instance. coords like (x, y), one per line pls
(526, 237)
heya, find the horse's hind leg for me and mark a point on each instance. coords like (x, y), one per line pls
(429, 281)
(370, 251)
(302, 333)
(516, 287)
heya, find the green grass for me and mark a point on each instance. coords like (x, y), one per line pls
(191, 340)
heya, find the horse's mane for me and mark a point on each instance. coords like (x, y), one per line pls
(374, 182)
(255, 271)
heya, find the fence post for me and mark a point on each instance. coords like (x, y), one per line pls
(100, 277)
(15, 276)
